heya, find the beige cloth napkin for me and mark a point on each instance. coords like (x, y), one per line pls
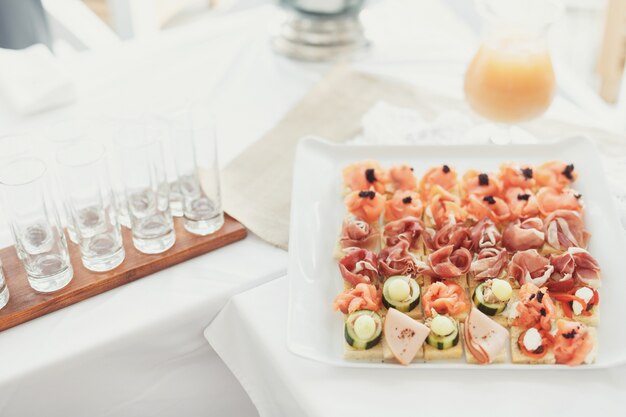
(257, 184)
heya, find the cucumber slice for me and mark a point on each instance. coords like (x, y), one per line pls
(490, 309)
(351, 337)
(407, 304)
(444, 342)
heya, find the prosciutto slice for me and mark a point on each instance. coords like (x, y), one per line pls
(489, 263)
(587, 269)
(452, 233)
(448, 262)
(575, 265)
(359, 266)
(356, 233)
(562, 278)
(484, 338)
(530, 267)
(397, 260)
(523, 235)
(564, 229)
(484, 234)
(409, 229)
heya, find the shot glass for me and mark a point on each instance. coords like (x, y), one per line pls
(35, 225)
(146, 191)
(158, 128)
(90, 204)
(4, 290)
(195, 151)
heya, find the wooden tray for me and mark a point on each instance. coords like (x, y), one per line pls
(26, 304)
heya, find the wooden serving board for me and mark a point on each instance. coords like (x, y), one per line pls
(26, 304)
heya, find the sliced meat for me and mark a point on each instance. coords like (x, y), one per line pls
(404, 336)
(530, 267)
(448, 262)
(357, 233)
(359, 266)
(564, 229)
(484, 337)
(484, 234)
(489, 263)
(397, 260)
(523, 235)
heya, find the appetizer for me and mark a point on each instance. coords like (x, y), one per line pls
(402, 293)
(485, 340)
(447, 262)
(443, 340)
(404, 338)
(491, 297)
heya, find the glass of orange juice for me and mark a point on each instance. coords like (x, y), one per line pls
(511, 79)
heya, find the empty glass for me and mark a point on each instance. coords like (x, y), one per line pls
(158, 128)
(90, 205)
(146, 191)
(34, 222)
(195, 152)
(4, 290)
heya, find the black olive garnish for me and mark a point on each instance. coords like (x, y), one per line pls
(531, 297)
(412, 169)
(577, 196)
(367, 194)
(527, 173)
(568, 172)
(524, 197)
(445, 169)
(407, 200)
(489, 199)
(570, 335)
(483, 179)
(539, 349)
(543, 312)
(370, 176)
(540, 296)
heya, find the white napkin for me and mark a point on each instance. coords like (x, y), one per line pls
(31, 80)
(385, 123)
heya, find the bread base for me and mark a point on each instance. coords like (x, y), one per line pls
(471, 359)
(374, 354)
(434, 354)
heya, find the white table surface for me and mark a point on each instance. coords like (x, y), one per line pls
(138, 350)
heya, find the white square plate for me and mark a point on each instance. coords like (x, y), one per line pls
(315, 331)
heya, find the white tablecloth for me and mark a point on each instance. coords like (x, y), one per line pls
(249, 334)
(138, 350)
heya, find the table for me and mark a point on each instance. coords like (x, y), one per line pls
(139, 350)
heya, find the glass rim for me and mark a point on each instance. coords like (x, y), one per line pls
(96, 147)
(35, 177)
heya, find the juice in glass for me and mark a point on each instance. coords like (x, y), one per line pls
(510, 80)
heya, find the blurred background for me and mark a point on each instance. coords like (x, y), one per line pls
(588, 42)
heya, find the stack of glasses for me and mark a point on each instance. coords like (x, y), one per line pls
(143, 199)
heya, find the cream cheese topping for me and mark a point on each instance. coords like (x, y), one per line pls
(532, 339)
